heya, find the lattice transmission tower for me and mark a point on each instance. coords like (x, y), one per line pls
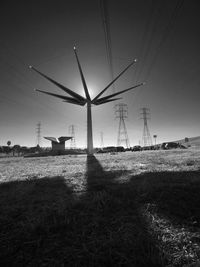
(38, 134)
(146, 137)
(121, 112)
(72, 134)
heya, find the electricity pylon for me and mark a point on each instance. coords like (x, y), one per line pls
(146, 137)
(81, 101)
(122, 113)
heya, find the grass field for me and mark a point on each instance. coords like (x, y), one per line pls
(127, 209)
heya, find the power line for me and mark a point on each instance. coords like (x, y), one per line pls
(165, 34)
(152, 31)
(144, 38)
(164, 37)
(107, 35)
(147, 40)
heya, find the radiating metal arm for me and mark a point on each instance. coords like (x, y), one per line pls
(66, 98)
(114, 80)
(82, 76)
(99, 102)
(67, 90)
(118, 93)
(73, 102)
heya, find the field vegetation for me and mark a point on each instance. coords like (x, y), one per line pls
(126, 209)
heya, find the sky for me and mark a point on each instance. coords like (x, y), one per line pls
(43, 34)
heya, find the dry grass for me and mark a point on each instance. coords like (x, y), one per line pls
(128, 209)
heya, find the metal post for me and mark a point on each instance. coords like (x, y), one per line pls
(89, 130)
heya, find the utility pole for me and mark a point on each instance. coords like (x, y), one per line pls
(38, 134)
(102, 143)
(146, 137)
(155, 136)
(121, 112)
(72, 134)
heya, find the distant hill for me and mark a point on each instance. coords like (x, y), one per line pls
(192, 141)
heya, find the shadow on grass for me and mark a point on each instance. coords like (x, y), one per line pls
(176, 195)
(43, 223)
(32, 216)
(98, 178)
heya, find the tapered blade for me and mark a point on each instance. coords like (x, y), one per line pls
(118, 93)
(99, 102)
(114, 80)
(67, 90)
(66, 98)
(82, 76)
(73, 102)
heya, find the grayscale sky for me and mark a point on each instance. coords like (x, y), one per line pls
(43, 33)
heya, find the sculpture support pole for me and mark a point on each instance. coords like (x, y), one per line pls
(89, 130)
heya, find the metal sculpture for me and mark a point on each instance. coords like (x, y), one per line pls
(81, 101)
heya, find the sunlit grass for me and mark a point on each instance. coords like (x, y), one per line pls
(178, 244)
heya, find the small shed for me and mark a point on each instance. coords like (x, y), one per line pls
(58, 144)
